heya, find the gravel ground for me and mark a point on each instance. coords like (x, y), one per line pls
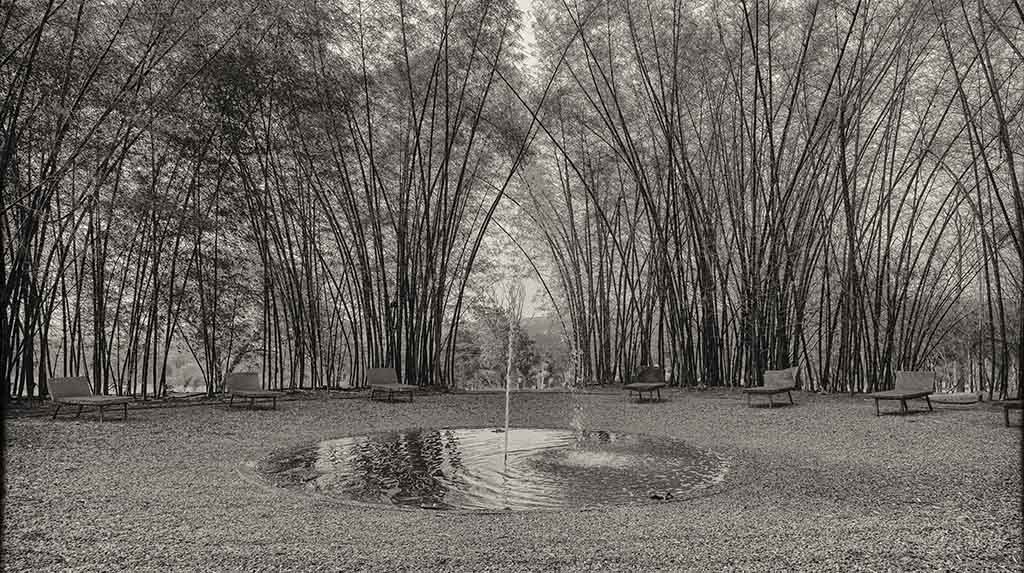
(820, 486)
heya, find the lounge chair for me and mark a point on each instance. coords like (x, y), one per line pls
(77, 391)
(247, 385)
(909, 386)
(650, 379)
(775, 382)
(385, 381)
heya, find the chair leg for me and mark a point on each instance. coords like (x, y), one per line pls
(1006, 417)
(125, 412)
(101, 414)
(790, 396)
(231, 400)
(252, 403)
(275, 402)
(58, 410)
(926, 399)
(659, 394)
(771, 403)
(877, 413)
(79, 412)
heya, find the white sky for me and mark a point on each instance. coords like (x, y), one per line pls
(527, 32)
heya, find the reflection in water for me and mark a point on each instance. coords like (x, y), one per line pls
(464, 468)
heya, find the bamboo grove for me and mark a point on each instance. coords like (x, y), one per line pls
(295, 180)
(745, 185)
(723, 186)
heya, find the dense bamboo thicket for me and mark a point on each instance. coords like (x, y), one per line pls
(740, 186)
(304, 185)
(306, 188)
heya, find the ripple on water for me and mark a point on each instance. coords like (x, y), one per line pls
(466, 468)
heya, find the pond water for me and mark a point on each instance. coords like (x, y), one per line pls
(466, 469)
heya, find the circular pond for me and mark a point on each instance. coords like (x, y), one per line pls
(467, 468)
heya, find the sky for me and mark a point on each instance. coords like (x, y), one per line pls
(531, 306)
(527, 33)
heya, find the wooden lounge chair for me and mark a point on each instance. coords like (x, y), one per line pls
(775, 382)
(77, 391)
(385, 381)
(650, 379)
(247, 385)
(909, 386)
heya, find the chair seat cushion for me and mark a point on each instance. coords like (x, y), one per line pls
(94, 400)
(898, 395)
(645, 386)
(255, 393)
(768, 390)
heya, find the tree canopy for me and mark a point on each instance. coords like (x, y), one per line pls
(312, 188)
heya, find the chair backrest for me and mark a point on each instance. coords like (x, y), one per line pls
(74, 387)
(650, 374)
(381, 376)
(915, 381)
(780, 378)
(245, 381)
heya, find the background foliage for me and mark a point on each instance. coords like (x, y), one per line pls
(311, 188)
